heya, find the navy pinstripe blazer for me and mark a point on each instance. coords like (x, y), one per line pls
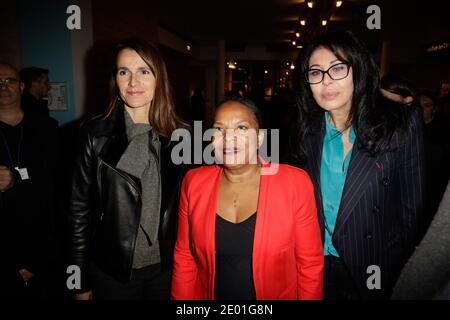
(381, 204)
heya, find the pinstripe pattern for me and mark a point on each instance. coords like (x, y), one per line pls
(380, 208)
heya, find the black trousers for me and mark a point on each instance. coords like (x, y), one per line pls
(337, 282)
(148, 283)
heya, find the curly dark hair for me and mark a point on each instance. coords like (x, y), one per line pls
(374, 119)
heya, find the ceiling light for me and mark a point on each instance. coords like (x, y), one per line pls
(297, 34)
(310, 4)
(338, 3)
(324, 23)
(188, 48)
(299, 47)
(294, 43)
(292, 66)
(266, 72)
(303, 22)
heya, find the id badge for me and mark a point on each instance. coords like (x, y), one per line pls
(23, 173)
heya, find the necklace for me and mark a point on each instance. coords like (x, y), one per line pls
(236, 194)
(235, 201)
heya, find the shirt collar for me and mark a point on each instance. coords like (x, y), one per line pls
(331, 132)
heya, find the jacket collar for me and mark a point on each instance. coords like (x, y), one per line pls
(111, 124)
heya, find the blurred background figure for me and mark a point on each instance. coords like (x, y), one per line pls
(427, 102)
(198, 105)
(443, 102)
(36, 90)
(437, 154)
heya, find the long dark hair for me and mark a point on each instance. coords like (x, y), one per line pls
(373, 120)
(162, 114)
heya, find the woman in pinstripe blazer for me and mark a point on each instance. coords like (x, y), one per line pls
(365, 157)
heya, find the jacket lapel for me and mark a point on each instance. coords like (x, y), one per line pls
(116, 142)
(361, 171)
(210, 219)
(259, 242)
(314, 144)
(113, 149)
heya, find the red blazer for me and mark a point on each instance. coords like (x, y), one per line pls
(287, 246)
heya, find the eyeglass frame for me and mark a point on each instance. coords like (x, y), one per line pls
(8, 81)
(323, 72)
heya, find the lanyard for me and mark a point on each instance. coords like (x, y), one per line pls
(19, 147)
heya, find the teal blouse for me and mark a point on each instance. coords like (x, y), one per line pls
(333, 171)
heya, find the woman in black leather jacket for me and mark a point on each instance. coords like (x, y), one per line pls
(125, 187)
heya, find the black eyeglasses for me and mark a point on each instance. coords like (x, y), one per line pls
(336, 72)
(8, 81)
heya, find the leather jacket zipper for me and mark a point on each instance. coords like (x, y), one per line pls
(130, 181)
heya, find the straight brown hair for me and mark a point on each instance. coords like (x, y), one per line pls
(162, 115)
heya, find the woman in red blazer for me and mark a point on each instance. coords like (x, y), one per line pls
(244, 232)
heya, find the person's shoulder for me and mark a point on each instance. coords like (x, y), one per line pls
(96, 125)
(41, 122)
(96, 120)
(412, 121)
(400, 111)
(401, 118)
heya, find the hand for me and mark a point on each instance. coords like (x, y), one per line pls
(83, 296)
(26, 275)
(397, 98)
(6, 178)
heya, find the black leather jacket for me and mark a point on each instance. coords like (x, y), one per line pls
(105, 204)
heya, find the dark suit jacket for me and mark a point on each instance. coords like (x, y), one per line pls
(380, 206)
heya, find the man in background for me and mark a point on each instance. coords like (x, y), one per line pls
(36, 89)
(28, 161)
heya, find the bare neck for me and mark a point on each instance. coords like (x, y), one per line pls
(242, 174)
(11, 115)
(339, 119)
(138, 115)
